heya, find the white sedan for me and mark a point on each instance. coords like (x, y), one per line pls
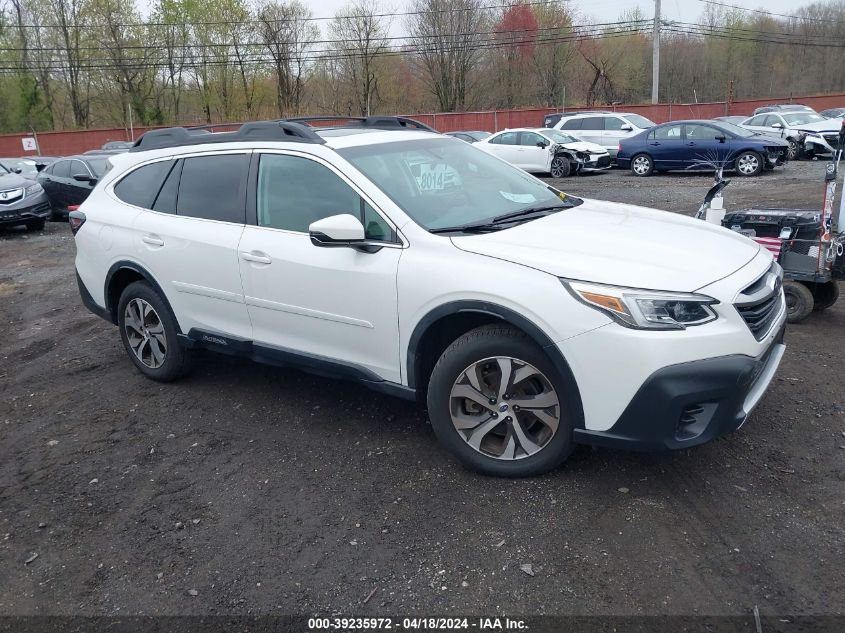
(548, 151)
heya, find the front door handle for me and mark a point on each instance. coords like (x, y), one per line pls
(256, 257)
(152, 240)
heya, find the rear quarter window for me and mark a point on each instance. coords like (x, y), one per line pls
(140, 187)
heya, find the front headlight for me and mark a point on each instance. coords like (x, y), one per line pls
(33, 189)
(645, 309)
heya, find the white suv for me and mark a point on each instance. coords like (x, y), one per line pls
(527, 320)
(604, 128)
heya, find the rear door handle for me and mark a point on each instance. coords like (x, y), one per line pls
(152, 240)
(256, 257)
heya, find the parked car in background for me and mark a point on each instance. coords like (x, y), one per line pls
(470, 137)
(551, 120)
(697, 144)
(833, 113)
(604, 128)
(736, 120)
(805, 131)
(117, 145)
(783, 107)
(548, 151)
(22, 200)
(69, 181)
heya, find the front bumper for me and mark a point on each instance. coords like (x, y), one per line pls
(28, 209)
(597, 163)
(818, 145)
(692, 403)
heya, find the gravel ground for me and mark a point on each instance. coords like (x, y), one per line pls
(247, 489)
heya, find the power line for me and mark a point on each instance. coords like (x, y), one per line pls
(283, 20)
(771, 13)
(328, 55)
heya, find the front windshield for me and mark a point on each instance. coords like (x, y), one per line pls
(559, 137)
(802, 118)
(741, 132)
(640, 121)
(27, 167)
(3, 169)
(443, 182)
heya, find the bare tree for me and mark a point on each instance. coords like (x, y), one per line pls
(361, 37)
(287, 33)
(446, 36)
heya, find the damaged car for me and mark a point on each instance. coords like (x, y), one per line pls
(805, 131)
(547, 151)
(701, 145)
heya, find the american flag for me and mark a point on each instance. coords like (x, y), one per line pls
(772, 244)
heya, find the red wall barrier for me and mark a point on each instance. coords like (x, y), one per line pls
(78, 141)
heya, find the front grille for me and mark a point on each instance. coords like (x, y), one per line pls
(603, 161)
(761, 302)
(24, 213)
(831, 139)
(11, 196)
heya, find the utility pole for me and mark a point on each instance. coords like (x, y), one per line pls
(655, 53)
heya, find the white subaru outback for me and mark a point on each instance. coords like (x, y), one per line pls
(525, 319)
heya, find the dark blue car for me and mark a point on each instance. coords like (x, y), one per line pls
(700, 145)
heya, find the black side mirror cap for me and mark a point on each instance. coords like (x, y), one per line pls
(85, 178)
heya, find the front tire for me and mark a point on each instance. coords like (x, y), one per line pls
(149, 333)
(498, 404)
(642, 165)
(748, 164)
(560, 167)
(794, 150)
(799, 301)
(37, 225)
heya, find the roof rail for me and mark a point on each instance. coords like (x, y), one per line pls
(377, 122)
(254, 131)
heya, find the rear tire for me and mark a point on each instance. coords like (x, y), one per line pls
(748, 164)
(642, 165)
(149, 333)
(825, 295)
(799, 301)
(560, 167)
(489, 429)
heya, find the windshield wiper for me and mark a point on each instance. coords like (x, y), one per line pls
(496, 223)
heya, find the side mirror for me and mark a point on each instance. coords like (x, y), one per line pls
(337, 230)
(627, 128)
(17, 170)
(85, 178)
(542, 144)
(721, 138)
(777, 126)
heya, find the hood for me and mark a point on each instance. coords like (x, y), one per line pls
(619, 244)
(584, 146)
(14, 181)
(830, 126)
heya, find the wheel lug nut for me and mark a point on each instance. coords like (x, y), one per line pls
(495, 415)
(516, 407)
(508, 419)
(492, 400)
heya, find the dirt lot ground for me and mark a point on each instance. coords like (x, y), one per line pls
(264, 490)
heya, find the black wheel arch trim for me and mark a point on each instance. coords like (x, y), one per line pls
(507, 316)
(111, 309)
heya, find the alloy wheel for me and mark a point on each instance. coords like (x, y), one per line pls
(748, 164)
(641, 165)
(557, 168)
(792, 151)
(504, 408)
(145, 333)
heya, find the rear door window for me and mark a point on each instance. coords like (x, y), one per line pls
(61, 169)
(140, 187)
(592, 123)
(213, 187)
(508, 138)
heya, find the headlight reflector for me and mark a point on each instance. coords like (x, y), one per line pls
(645, 309)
